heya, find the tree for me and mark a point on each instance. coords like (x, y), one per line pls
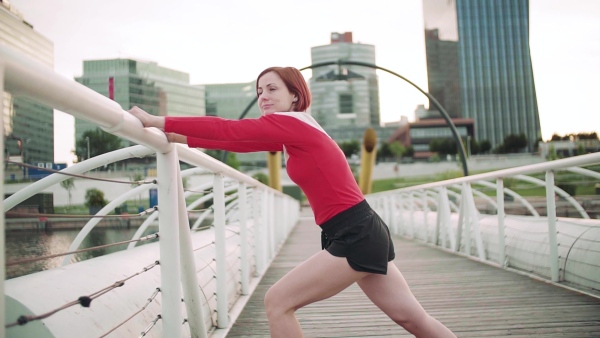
(350, 147)
(384, 151)
(485, 146)
(261, 177)
(443, 147)
(397, 149)
(232, 160)
(68, 185)
(100, 143)
(409, 152)
(94, 200)
(513, 144)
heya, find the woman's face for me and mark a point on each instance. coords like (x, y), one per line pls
(273, 95)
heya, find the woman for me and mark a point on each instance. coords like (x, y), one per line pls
(357, 243)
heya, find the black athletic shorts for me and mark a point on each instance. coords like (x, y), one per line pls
(360, 235)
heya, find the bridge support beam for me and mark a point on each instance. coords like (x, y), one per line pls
(552, 240)
(189, 279)
(169, 244)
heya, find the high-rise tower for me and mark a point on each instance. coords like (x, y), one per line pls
(157, 90)
(344, 95)
(496, 81)
(28, 125)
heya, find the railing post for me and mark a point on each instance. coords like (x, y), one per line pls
(425, 208)
(169, 244)
(189, 278)
(259, 243)
(474, 222)
(439, 221)
(2, 234)
(461, 220)
(220, 245)
(277, 226)
(393, 218)
(401, 224)
(501, 215)
(411, 202)
(270, 216)
(386, 209)
(243, 205)
(552, 240)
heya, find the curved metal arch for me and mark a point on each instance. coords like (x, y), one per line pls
(480, 194)
(87, 228)
(79, 168)
(583, 171)
(558, 190)
(513, 194)
(185, 173)
(458, 198)
(429, 198)
(433, 100)
(208, 211)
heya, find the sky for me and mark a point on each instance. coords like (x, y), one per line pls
(231, 41)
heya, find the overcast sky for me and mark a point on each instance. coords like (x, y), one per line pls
(233, 40)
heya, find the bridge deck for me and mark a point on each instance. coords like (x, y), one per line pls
(473, 299)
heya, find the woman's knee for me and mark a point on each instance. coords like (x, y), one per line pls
(275, 301)
(412, 321)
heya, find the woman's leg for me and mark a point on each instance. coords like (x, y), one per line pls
(392, 295)
(319, 277)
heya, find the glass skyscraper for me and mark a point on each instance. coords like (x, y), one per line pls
(157, 90)
(496, 75)
(496, 81)
(228, 100)
(28, 125)
(353, 101)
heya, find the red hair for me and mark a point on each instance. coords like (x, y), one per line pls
(295, 83)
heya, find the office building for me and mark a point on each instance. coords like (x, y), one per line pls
(157, 90)
(496, 83)
(442, 73)
(28, 125)
(230, 100)
(346, 95)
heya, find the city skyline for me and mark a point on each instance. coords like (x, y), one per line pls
(221, 43)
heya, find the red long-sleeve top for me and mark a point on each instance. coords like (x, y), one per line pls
(314, 160)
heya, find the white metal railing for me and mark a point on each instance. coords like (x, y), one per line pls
(239, 246)
(453, 214)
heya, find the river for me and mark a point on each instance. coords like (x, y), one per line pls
(33, 243)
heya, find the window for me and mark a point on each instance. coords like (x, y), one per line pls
(346, 104)
(211, 108)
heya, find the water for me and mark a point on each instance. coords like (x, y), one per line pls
(30, 244)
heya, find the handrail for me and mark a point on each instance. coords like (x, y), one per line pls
(528, 169)
(22, 75)
(539, 243)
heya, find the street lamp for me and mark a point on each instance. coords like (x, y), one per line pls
(461, 146)
(87, 139)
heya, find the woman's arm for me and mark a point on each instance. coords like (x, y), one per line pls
(148, 120)
(238, 147)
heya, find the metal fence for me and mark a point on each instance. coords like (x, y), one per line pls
(191, 282)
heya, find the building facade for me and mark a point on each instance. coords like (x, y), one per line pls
(28, 125)
(157, 90)
(347, 95)
(498, 90)
(442, 72)
(230, 100)
(496, 83)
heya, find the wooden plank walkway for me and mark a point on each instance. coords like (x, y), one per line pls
(471, 298)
